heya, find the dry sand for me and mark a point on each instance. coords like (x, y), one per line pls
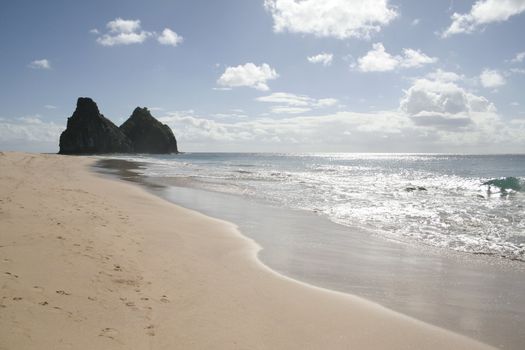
(92, 263)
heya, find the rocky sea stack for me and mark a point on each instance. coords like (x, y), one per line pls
(89, 132)
(147, 134)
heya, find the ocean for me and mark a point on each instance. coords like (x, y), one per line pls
(439, 200)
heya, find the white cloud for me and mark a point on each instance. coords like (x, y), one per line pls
(233, 114)
(517, 70)
(441, 96)
(435, 114)
(484, 12)
(326, 102)
(415, 22)
(297, 133)
(341, 19)
(491, 78)
(415, 58)
(457, 119)
(289, 110)
(286, 98)
(123, 32)
(444, 76)
(29, 133)
(169, 37)
(520, 56)
(94, 31)
(249, 75)
(295, 104)
(324, 58)
(439, 102)
(378, 60)
(119, 25)
(40, 64)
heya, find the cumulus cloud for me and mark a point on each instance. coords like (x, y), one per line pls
(490, 78)
(340, 19)
(415, 58)
(378, 60)
(438, 101)
(40, 64)
(169, 37)
(324, 58)
(295, 104)
(249, 75)
(484, 12)
(123, 32)
(129, 31)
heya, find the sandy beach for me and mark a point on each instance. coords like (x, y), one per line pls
(88, 262)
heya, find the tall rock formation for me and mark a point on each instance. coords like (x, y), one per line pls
(147, 134)
(89, 132)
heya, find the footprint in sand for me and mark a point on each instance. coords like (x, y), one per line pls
(17, 298)
(61, 292)
(43, 303)
(164, 299)
(110, 333)
(150, 330)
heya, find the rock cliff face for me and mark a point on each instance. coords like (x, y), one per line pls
(147, 134)
(89, 132)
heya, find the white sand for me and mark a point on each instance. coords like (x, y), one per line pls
(92, 263)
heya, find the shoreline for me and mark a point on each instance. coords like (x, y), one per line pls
(467, 294)
(102, 263)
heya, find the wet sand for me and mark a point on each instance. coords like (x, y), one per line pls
(478, 296)
(93, 263)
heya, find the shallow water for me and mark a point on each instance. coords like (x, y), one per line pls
(438, 200)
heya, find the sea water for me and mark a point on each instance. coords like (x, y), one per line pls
(440, 200)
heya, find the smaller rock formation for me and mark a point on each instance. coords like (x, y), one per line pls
(147, 134)
(415, 188)
(89, 132)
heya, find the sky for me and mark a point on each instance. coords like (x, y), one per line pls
(271, 75)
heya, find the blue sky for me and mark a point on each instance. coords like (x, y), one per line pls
(272, 75)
